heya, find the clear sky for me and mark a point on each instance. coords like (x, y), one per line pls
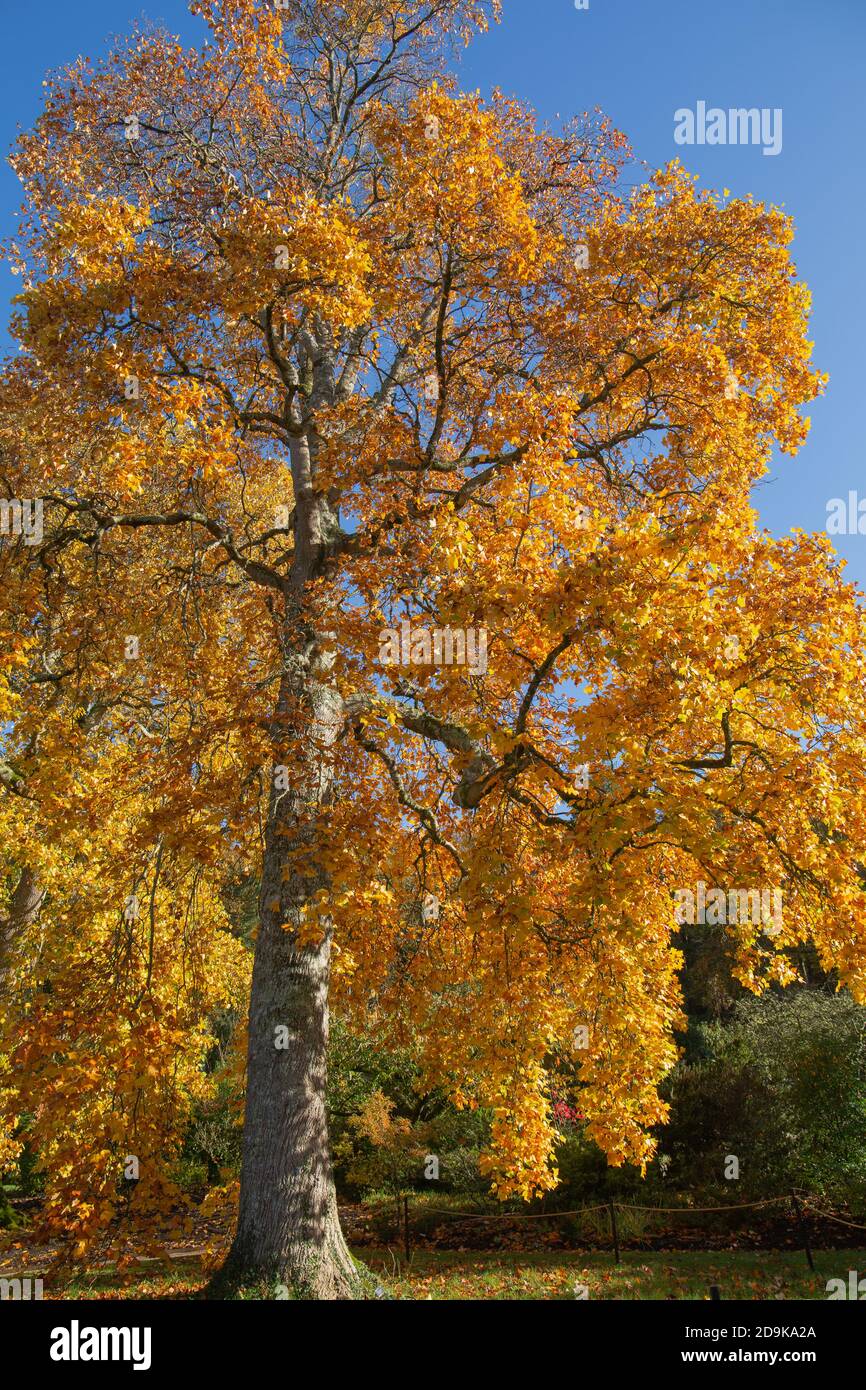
(640, 61)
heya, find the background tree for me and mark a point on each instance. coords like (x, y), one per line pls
(312, 344)
(782, 1086)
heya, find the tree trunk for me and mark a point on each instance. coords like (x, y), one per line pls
(23, 909)
(288, 1228)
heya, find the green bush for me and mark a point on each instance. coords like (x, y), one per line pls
(9, 1218)
(459, 1172)
(783, 1088)
(359, 1068)
(586, 1177)
(211, 1153)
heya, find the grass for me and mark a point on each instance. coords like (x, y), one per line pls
(483, 1276)
(740, 1274)
(183, 1279)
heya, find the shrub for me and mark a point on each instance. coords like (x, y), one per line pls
(783, 1088)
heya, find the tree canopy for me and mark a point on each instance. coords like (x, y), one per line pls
(312, 346)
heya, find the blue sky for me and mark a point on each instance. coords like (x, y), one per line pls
(640, 61)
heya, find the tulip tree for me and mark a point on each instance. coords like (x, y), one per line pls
(329, 374)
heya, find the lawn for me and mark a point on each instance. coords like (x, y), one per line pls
(480, 1275)
(687, 1275)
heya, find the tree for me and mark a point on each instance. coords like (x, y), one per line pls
(417, 458)
(782, 1087)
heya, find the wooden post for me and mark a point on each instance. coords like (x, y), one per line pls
(715, 1293)
(408, 1246)
(612, 1209)
(804, 1230)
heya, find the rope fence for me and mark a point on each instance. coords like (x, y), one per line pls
(827, 1216)
(800, 1207)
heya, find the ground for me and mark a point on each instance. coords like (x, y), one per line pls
(476, 1275)
(486, 1254)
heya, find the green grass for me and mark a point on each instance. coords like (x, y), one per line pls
(748, 1275)
(482, 1275)
(739, 1274)
(181, 1279)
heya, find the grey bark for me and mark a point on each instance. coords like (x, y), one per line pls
(288, 1227)
(23, 910)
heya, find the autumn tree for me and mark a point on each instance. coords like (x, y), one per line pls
(320, 358)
